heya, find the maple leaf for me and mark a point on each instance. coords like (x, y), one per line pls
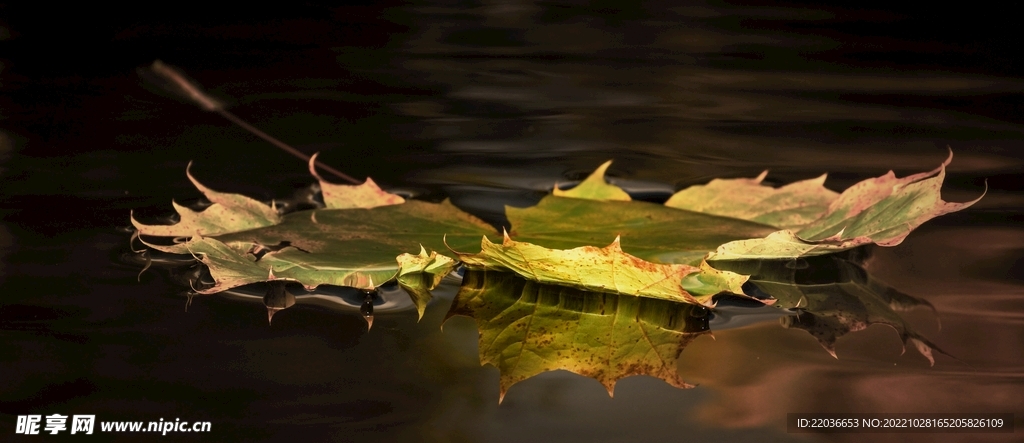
(605, 312)
(606, 269)
(817, 221)
(228, 213)
(881, 210)
(359, 239)
(649, 231)
(594, 187)
(789, 206)
(367, 195)
(362, 240)
(418, 274)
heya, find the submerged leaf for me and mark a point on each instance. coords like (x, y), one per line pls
(789, 206)
(367, 195)
(594, 187)
(528, 328)
(607, 269)
(228, 213)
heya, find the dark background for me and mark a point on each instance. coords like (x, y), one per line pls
(486, 102)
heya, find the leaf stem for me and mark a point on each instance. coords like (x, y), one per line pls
(186, 88)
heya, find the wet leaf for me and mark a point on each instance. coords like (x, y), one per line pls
(418, 274)
(650, 231)
(594, 187)
(789, 206)
(368, 236)
(367, 195)
(228, 213)
(344, 247)
(606, 269)
(528, 328)
(882, 210)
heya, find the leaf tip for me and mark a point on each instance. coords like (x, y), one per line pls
(831, 349)
(195, 182)
(760, 178)
(312, 167)
(594, 187)
(925, 349)
(616, 245)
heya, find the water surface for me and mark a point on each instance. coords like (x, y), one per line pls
(491, 104)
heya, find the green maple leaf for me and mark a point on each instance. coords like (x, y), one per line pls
(361, 242)
(357, 240)
(227, 213)
(606, 269)
(660, 258)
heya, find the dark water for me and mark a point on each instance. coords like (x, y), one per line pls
(490, 103)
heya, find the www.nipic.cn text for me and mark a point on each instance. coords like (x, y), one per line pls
(86, 424)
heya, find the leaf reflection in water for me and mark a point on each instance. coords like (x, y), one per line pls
(831, 297)
(528, 328)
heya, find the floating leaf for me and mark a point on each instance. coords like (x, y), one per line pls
(607, 269)
(345, 247)
(361, 245)
(528, 328)
(777, 245)
(790, 206)
(650, 231)
(882, 210)
(367, 195)
(228, 213)
(594, 187)
(708, 281)
(419, 274)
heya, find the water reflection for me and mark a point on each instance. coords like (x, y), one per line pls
(831, 296)
(492, 103)
(526, 328)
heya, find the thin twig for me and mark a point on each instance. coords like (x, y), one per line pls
(186, 88)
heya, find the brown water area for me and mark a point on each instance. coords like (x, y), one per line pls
(491, 103)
